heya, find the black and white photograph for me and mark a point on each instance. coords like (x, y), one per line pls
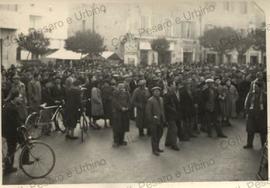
(139, 93)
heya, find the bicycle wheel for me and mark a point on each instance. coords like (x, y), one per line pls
(59, 121)
(33, 126)
(83, 127)
(85, 124)
(42, 157)
(82, 131)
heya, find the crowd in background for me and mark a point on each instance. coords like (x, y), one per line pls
(195, 97)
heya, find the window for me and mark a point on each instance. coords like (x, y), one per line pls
(35, 21)
(243, 7)
(187, 30)
(177, 29)
(9, 7)
(226, 5)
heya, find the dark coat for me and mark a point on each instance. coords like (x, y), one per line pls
(139, 100)
(257, 117)
(155, 111)
(72, 106)
(58, 93)
(106, 95)
(170, 106)
(120, 118)
(205, 98)
(132, 86)
(187, 104)
(47, 96)
(10, 122)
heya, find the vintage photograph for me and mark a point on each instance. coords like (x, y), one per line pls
(145, 92)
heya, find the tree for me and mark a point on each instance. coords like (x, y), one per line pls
(219, 39)
(86, 42)
(35, 42)
(259, 41)
(160, 45)
(242, 46)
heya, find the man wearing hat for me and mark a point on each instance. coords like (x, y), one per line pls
(120, 114)
(256, 108)
(156, 118)
(210, 98)
(34, 92)
(17, 85)
(139, 100)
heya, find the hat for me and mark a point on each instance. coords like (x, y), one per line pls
(209, 80)
(141, 82)
(156, 88)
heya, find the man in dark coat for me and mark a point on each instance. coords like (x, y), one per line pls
(210, 98)
(156, 118)
(256, 107)
(171, 114)
(139, 99)
(120, 115)
(188, 109)
(73, 104)
(10, 122)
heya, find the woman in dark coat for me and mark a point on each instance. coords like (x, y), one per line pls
(106, 95)
(73, 106)
(120, 115)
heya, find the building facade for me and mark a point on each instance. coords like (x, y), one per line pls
(22, 18)
(129, 28)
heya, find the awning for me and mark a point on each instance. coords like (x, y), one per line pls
(66, 55)
(145, 45)
(110, 54)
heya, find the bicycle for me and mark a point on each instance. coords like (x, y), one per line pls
(40, 154)
(83, 121)
(36, 127)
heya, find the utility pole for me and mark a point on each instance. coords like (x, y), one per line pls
(93, 22)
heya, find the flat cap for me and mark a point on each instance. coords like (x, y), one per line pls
(156, 88)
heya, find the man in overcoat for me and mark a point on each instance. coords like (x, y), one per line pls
(120, 114)
(156, 118)
(139, 99)
(171, 114)
(256, 108)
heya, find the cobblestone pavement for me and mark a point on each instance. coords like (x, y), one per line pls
(201, 159)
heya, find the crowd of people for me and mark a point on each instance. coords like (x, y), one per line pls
(185, 98)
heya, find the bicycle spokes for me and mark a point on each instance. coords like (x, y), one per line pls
(38, 160)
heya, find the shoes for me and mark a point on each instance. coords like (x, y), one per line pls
(10, 170)
(176, 148)
(71, 137)
(115, 145)
(28, 162)
(160, 150)
(222, 136)
(124, 143)
(74, 137)
(248, 147)
(156, 153)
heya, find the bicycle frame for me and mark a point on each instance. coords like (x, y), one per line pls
(24, 142)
